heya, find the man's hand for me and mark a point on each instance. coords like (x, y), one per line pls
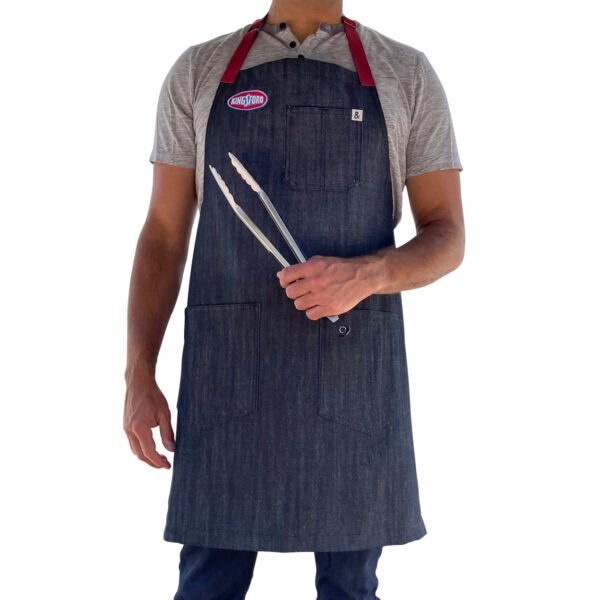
(327, 285)
(145, 408)
(155, 280)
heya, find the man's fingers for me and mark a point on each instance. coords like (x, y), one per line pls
(297, 289)
(148, 446)
(137, 450)
(166, 431)
(296, 271)
(315, 313)
(287, 275)
(305, 302)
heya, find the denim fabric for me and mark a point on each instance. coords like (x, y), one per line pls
(292, 434)
(314, 136)
(222, 574)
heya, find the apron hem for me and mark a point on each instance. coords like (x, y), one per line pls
(236, 540)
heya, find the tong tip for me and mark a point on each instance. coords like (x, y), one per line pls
(221, 183)
(239, 167)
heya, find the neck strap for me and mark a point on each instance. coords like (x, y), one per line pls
(358, 53)
(354, 42)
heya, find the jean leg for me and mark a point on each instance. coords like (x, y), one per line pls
(214, 573)
(347, 575)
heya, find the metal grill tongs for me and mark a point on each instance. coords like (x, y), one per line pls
(262, 238)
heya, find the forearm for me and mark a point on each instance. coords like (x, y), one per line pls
(436, 250)
(155, 282)
(330, 285)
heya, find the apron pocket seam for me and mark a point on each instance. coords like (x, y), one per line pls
(220, 363)
(365, 396)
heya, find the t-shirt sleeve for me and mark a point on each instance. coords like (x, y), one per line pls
(174, 136)
(431, 143)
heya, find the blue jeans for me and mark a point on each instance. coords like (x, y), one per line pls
(215, 573)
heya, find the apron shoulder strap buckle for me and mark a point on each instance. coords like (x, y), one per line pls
(349, 22)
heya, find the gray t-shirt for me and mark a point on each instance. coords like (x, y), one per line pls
(420, 132)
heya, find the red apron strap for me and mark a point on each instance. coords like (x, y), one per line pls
(238, 57)
(356, 49)
(358, 53)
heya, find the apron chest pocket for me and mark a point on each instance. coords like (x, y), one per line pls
(363, 377)
(219, 375)
(322, 148)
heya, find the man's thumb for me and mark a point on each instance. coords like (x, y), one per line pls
(166, 432)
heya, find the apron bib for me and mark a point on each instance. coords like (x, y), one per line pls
(292, 434)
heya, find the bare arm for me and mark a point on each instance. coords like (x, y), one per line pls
(155, 282)
(438, 247)
(326, 285)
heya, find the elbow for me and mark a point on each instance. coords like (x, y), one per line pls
(453, 246)
(452, 237)
(457, 254)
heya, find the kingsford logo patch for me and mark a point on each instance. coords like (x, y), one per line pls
(248, 100)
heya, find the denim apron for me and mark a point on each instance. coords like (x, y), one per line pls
(293, 434)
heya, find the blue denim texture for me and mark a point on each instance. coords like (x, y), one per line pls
(292, 434)
(221, 574)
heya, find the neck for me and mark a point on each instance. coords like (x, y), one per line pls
(304, 16)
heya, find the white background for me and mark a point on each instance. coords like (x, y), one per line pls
(503, 352)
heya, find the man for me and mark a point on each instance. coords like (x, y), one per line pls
(293, 427)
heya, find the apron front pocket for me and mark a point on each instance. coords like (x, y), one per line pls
(363, 377)
(219, 376)
(322, 148)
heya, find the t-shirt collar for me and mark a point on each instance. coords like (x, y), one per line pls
(324, 30)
